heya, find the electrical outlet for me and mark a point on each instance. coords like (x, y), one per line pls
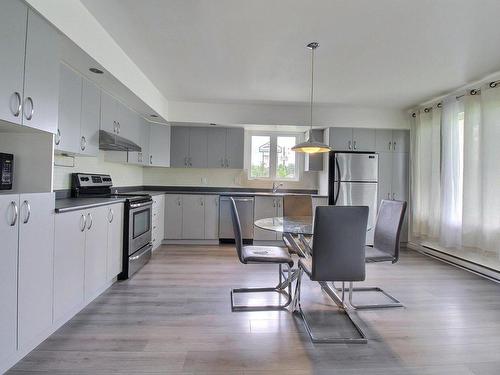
(204, 181)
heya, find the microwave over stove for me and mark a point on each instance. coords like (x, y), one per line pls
(6, 171)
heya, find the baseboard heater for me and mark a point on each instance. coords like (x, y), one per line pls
(467, 265)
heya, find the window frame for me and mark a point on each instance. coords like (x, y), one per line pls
(273, 155)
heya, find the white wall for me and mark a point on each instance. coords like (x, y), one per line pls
(122, 174)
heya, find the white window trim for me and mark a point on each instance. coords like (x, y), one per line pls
(299, 159)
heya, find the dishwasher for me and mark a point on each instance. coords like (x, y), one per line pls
(244, 206)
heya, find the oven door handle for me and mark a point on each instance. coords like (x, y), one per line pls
(145, 251)
(138, 205)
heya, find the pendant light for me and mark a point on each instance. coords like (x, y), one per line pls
(311, 146)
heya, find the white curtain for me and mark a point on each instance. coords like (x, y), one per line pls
(425, 173)
(452, 146)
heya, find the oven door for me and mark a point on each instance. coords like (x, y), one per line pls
(140, 217)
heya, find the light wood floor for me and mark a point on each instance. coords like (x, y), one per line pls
(174, 317)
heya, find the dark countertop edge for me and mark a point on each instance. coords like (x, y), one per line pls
(225, 193)
(75, 204)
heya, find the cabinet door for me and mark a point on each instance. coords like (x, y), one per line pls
(341, 139)
(384, 175)
(401, 140)
(197, 148)
(145, 135)
(193, 217)
(96, 252)
(129, 125)
(264, 207)
(179, 147)
(89, 121)
(36, 266)
(211, 217)
(383, 140)
(115, 241)
(159, 145)
(400, 176)
(216, 147)
(363, 139)
(41, 75)
(173, 216)
(70, 104)
(69, 263)
(109, 110)
(158, 220)
(235, 138)
(13, 15)
(8, 274)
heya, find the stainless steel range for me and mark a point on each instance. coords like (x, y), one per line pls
(137, 226)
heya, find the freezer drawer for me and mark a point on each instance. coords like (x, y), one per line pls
(245, 207)
(356, 167)
(360, 194)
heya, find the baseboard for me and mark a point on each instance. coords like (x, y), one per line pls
(475, 268)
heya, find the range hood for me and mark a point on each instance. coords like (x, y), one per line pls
(113, 142)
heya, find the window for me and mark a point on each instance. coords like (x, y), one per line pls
(272, 157)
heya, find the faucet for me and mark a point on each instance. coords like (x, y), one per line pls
(276, 186)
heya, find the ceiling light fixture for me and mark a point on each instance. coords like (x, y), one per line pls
(96, 70)
(311, 146)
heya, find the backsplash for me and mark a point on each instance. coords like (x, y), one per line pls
(122, 174)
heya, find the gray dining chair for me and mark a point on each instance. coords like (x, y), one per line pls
(296, 206)
(261, 255)
(338, 254)
(385, 247)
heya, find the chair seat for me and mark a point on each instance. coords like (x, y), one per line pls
(372, 254)
(266, 254)
(306, 265)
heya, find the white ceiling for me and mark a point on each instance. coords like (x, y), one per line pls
(390, 53)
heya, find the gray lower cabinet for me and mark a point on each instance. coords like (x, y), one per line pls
(173, 216)
(193, 217)
(13, 16)
(267, 207)
(9, 234)
(29, 68)
(35, 265)
(158, 220)
(115, 241)
(211, 217)
(41, 75)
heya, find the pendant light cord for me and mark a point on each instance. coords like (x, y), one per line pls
(312, 89)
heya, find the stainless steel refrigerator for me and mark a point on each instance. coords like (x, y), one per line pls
(353, 181)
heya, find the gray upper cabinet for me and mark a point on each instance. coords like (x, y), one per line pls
(67, 138)
(216, 152)
(109, 113)
(179, 149)
(13, 16)
(89, 121)
(29, 68)
(41, 75)
(392, 140)
(234, 148)
(159, 145)
(197, 148)
(340, 139)
(363, 139)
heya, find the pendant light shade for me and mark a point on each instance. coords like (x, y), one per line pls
(311, 146)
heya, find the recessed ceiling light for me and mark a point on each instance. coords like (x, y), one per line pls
(153, 115)
(96, 71)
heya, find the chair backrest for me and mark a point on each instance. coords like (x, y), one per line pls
(339, 243)
(388, 227)
(297, 205)
(238, 239)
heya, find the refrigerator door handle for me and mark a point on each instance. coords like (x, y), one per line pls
(337, 166)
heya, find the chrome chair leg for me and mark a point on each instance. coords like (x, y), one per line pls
(395, 302)
(284, 288)
(331, 340)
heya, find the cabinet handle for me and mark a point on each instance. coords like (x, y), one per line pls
(118, 126)
(185, 161)
(32, 110)
(16, 213)
(28, 213)
(354, 143)
(222, 162)
(58, 137)
(228, 162)
(393, 196)
(178, 201)
(114, 126)
(394, 145)
(83, 143)
(19, 104)
(112, 215)
(388, 195)
(201, 201)
(189, 161)
(83, 222)
(349, 145)
(90, 221)
(274, 202)
(151, 159)
(390, 144)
